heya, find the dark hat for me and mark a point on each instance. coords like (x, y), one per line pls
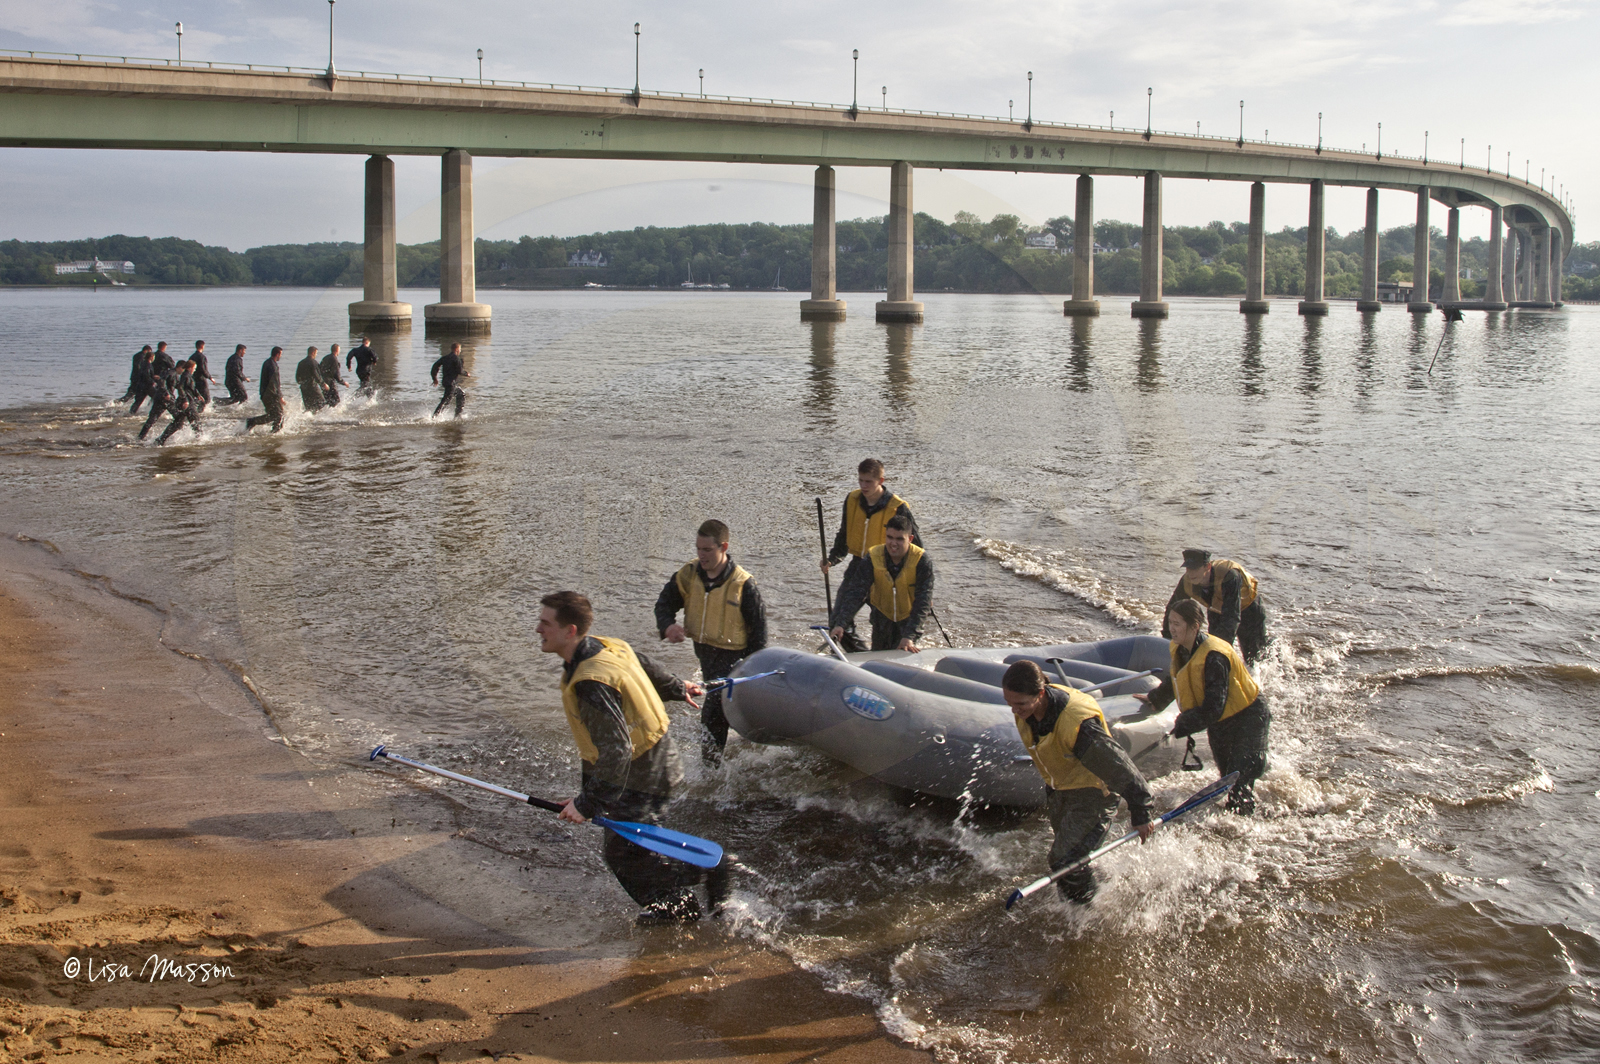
(1196, 559)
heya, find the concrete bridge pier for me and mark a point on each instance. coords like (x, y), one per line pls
(900, 307)
(378, 310)
(824, 304)
(458, 310)
(1541, 268)
(1556, 259)
(1368, 302)
(1508, 265)
(1083, 303)
(1255, 255)
(1524, 266)
(1316, 253)
(1494, 285)
(1149, 304)
(1451, 295)
(1420, 303)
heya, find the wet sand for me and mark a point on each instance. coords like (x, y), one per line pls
(150, 810)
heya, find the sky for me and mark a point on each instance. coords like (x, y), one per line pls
(1505, 75)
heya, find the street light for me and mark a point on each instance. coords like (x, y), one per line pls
(180, 44)
(1197, 127)
(1319, 132)
(1028, 125)
(702, 83)
(480, 66)
(1424, 147)
(1241, 123)
(1113, 120)
(1011, 110)
(855, 78)
(1149, 109)
(1488, 159)
(1380, 140)
(886, 97)
(331, 73)
(636, 64)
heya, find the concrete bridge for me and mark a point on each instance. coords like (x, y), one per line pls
(111, 102)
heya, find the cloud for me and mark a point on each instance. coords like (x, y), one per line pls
(1510, 12)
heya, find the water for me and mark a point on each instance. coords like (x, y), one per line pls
(1421, 882)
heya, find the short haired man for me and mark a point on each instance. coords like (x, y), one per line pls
(308, 374)
(364, 358)
(144, 373)
(613, 701)
(722, 614)
(895, 579)
(332, 376)
(233, 377)
(184, 402)
(271, 389)
(166, 392)
(1232, 601)
(867, 510)
(1084, 770)
(453, 369)
(200, 374)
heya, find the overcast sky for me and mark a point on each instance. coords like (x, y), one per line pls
(1516, 75)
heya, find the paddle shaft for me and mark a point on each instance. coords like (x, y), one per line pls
(492, 788)
(1211, 793)
(827, 582)
(734, 681)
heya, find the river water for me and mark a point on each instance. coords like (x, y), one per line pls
(1420, 884)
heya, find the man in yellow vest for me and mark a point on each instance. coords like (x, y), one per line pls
(613, 701)
(896, 581)
(1084, 770)
(722, 614)
(1230, 597)
(867, 511)
(1217, 694)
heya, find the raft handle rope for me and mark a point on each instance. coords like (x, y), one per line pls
(1188, 752)
(1195, 801)
(702, 853)
(827, 634)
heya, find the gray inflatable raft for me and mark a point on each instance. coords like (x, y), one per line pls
(936, 722)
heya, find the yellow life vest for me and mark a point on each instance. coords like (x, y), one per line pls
(1052, 755)
(618, 668)
(893, 597)
(713, 617)
(862, 533)
(1189, 682)
(1221, 567)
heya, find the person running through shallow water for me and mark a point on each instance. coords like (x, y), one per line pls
(453, 369)
(185, 402)
(136, 374)
(233, 377)
(200, 374)
(307, 374)
(164, 388)
(144, 372)
(364, 358)
(331, 376)
(272, 401)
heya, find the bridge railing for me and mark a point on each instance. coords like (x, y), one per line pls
(439, 79)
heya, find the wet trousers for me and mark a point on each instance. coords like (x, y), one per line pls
(1080, 817)
(452, 392)
(236, 395)
(1240, 745)
(157, 408)
(179, 419)
(886, 634)
(272, 415)
(715, 664)
(1252, 631)
(651, 879)
(139, 396)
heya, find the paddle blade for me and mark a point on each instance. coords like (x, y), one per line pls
(702, 853)
(1016, 896)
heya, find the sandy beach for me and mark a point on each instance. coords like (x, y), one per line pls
(178, 884)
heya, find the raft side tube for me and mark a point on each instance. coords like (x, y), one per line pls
(991, 673)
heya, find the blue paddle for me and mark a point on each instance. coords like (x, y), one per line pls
(733, 681)
(702, 853)
(1195, 801)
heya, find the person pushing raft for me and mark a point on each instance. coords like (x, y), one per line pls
(1085, 770)
(1232, 601)
(613, 701)
(896, 580)
(867, 511)
(722, 614)
(1216, 694)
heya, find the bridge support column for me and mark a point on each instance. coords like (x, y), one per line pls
(1083, 304)
(902, 247)
(378, 311)
(1368, 302)
(1494, 284)
(1541, 267)
(1420, 304)
(1451, 296)
(458, 310)
(1556, 258)
(1084, 301)
(824, 304)
(1316, 253)
(1508, 265)
(1524, 266)
(1255, 255)
(1150, 304)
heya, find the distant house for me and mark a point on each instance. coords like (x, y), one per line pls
(588, 260)
(1394, 291)
(1046, 241)
(94, 266)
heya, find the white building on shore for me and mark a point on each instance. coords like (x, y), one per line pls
(94, 266)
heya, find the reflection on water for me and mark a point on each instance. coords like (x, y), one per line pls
(1252, 372)
(820, 398)
(1078, 360)
(1311, 355)
(1366, 356)
(897, 369)
(1149, 362)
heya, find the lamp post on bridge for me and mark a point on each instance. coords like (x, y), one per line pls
(1149, 109)
(886, 97)
(180, 44)
(855, 79)
(480, 66)
(1463, 153)
(1319, 132)
(1380, 141)
(1424, 147)
(702, 83)
(1028, 125)
(636, 64)
(1011, 110)
(1241, 123)
(331, 73)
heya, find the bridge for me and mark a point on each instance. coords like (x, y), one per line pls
(80, 101)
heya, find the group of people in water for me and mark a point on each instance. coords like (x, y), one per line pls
(182, 389)
(614, 697)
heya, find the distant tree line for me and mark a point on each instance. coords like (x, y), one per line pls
(966, 255)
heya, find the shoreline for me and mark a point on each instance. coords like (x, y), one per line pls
(154, 817)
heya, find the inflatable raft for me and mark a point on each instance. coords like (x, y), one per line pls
(936, 722)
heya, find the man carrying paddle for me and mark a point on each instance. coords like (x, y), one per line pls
(723, 615)
(896, 581)
(1084, 770)
(613, 700)
(867, 511)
